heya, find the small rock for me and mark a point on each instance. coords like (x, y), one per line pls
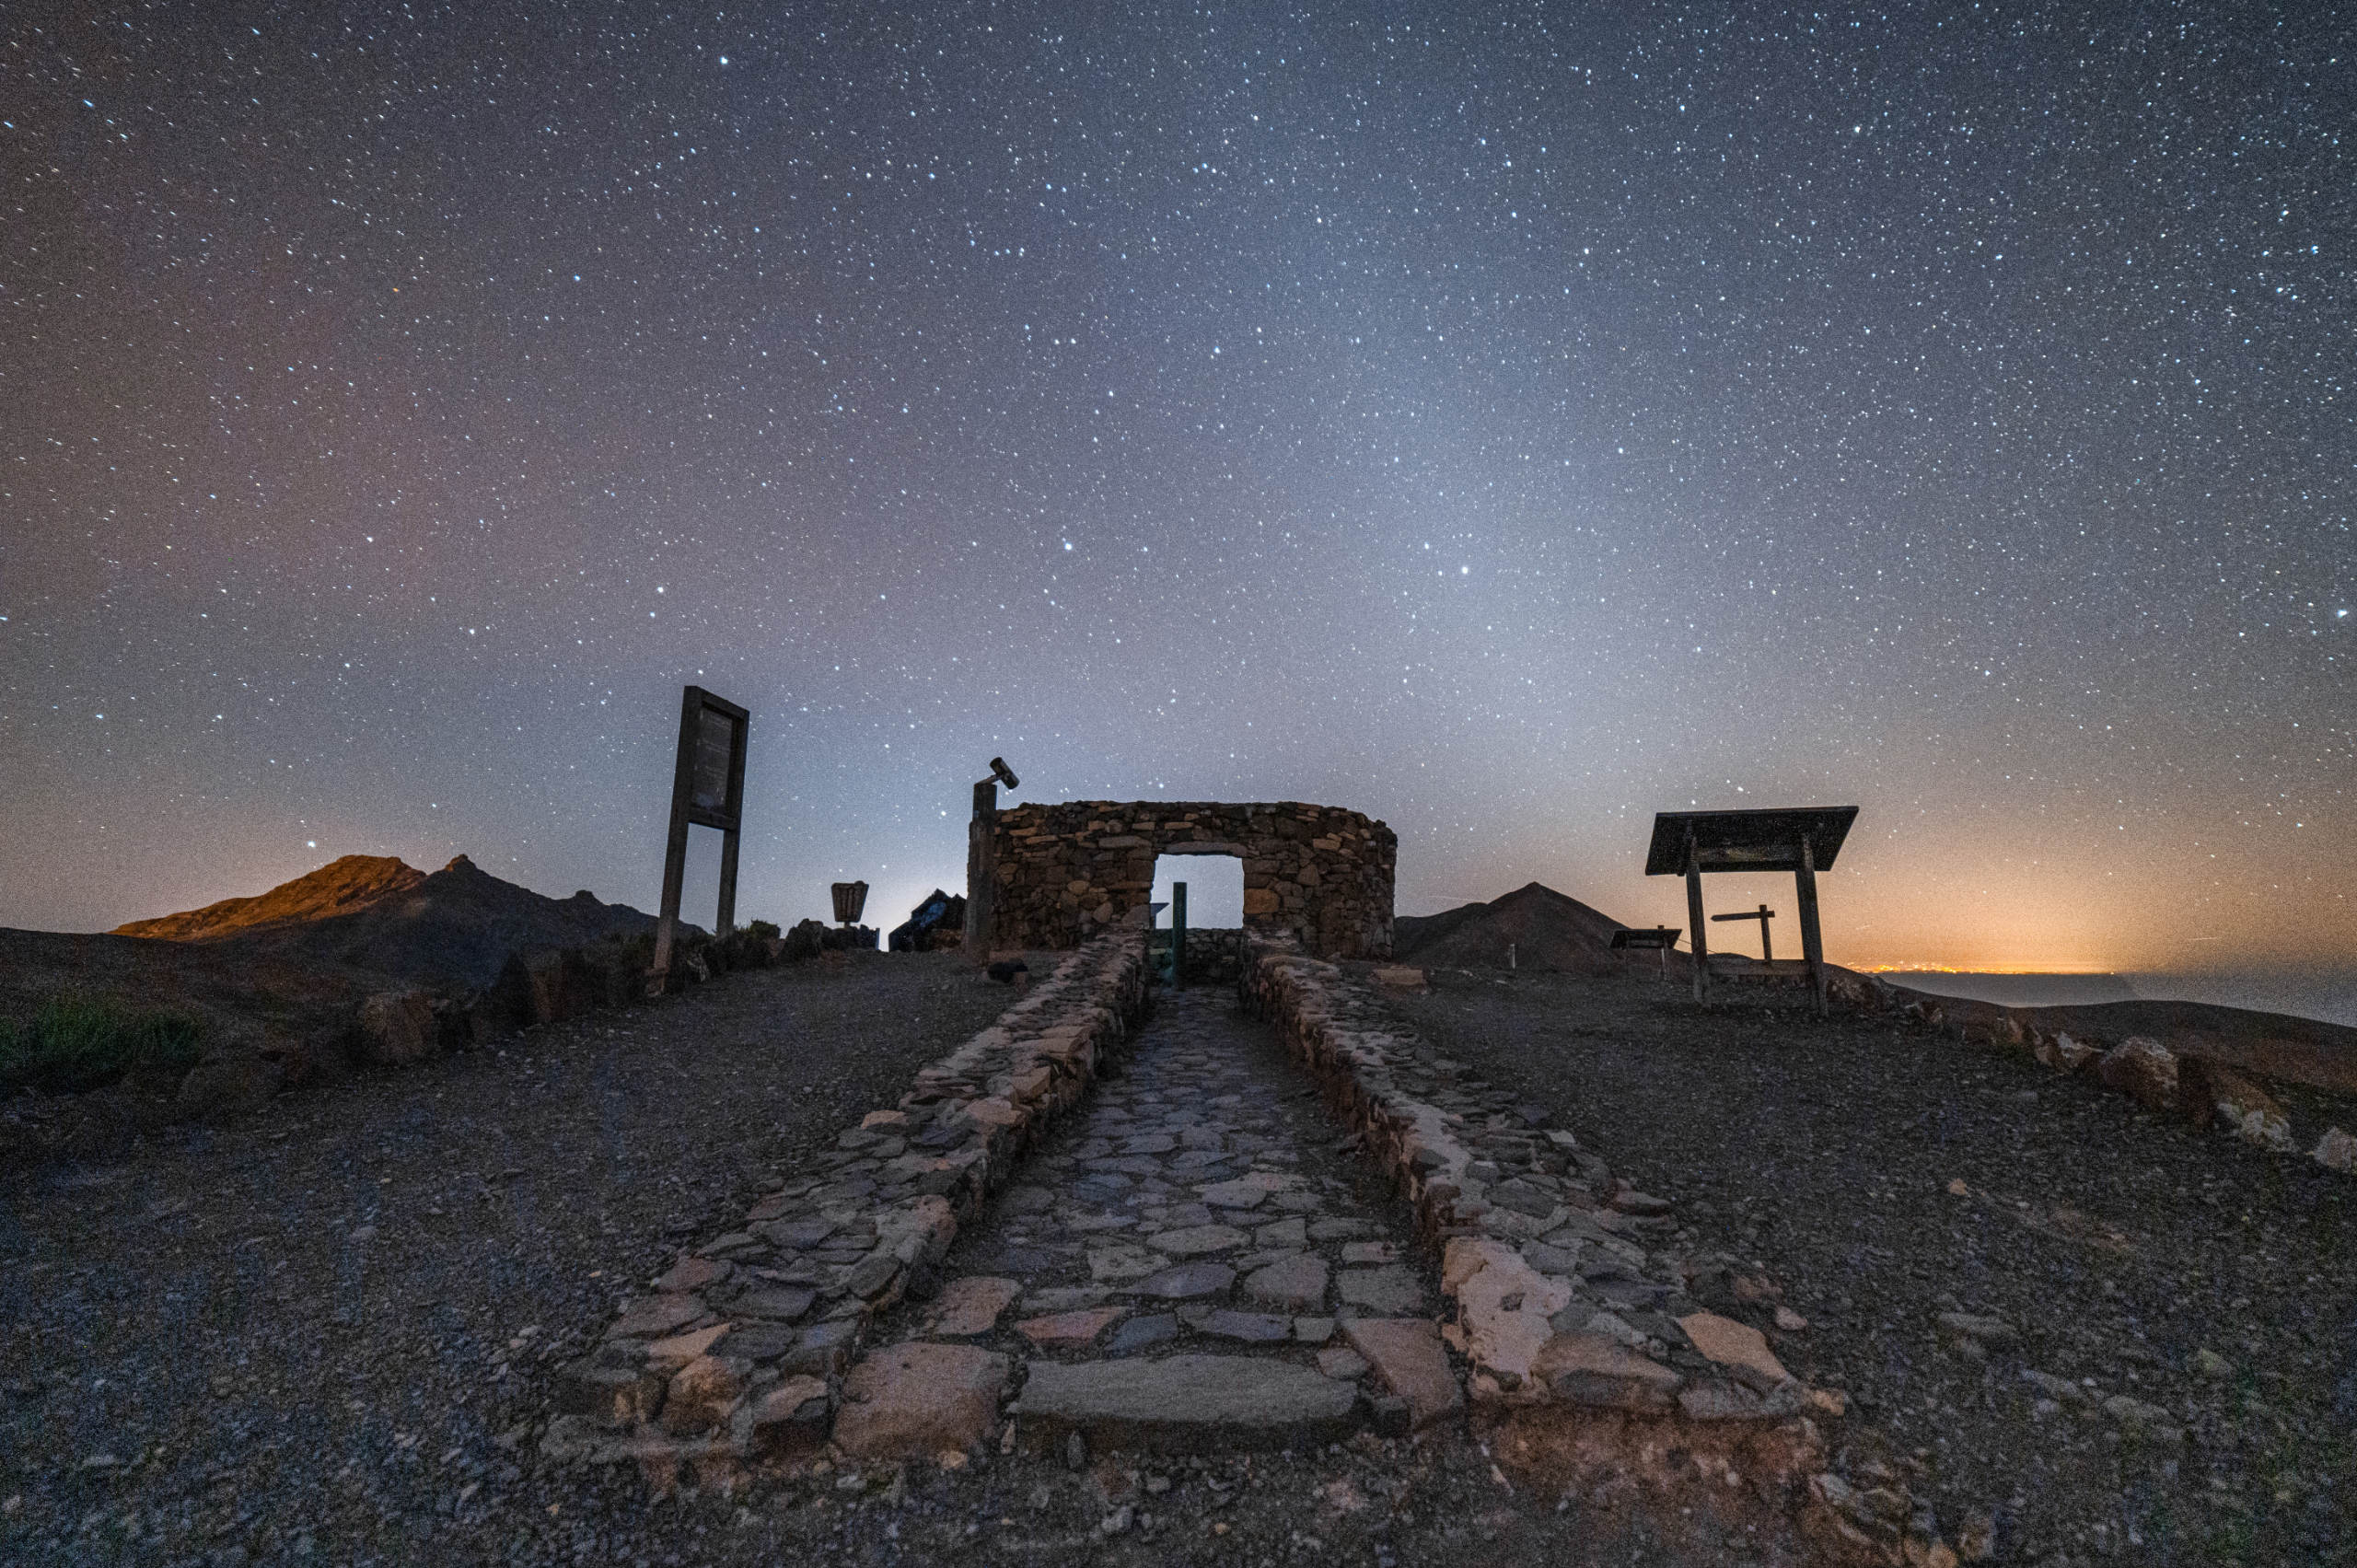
(2152, 1421)
(1958, 1188)
(1593, 1369)
(703, 1393)
(2335, 1151)
(692, 1273)
(1789, 1320)
(1981, 1329)
(1975, 1538)
(1369, 1252)
(2060, 1390)
(2210, 1364)
(1738, 1347)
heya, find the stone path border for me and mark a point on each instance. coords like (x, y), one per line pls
(738, 1353)
(1593, 1362)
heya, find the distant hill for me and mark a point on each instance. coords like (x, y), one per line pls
(341, 887)
(1546, 930)
(450, 930)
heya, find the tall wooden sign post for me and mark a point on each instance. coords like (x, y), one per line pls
(707, 790)
(982, 862)
(1801, 839)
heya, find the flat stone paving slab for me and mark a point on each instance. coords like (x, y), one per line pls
(1187, 1404)
(1388, 1290)
(1406, 1354)
(917, 1401)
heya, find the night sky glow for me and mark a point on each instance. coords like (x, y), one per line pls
(1505, 420)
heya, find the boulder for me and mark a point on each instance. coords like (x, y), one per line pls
(399, 1027)
(2336, 1151)
(2143, 1069)
(2249, 1111)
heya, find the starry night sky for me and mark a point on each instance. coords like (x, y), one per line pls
(1505, 421)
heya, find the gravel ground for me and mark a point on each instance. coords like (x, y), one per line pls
(315, 1332)
(1885, 1178)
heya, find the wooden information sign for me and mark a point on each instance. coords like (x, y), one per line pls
(707, 790)
(1802, 839)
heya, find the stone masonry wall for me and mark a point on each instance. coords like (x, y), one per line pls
(736, 1354)
(1596, 1347)
(1068, 870)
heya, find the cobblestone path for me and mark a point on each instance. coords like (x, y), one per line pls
(1203, 1205)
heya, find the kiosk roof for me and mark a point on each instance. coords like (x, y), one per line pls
(1749, 841)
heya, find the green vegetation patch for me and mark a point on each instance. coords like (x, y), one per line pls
(78, 1042)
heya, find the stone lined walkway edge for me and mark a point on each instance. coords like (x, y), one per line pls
(1593, 1362)
(739, 1353)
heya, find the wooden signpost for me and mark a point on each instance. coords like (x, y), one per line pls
(707, 790)
(1801, 839)
(1763, 916)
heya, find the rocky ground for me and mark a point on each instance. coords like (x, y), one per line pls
(332, 1335)
(2121, 1338)
(315, 1330)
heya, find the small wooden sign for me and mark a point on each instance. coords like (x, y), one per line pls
(707, 791)
(851, 898)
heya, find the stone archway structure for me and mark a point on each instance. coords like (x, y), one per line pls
(1066, 871)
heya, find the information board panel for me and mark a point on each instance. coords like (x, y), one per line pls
(708, 790)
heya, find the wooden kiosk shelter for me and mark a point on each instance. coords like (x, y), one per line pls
(1802, 839)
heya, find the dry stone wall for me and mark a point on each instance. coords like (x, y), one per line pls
(739, 1352)
(1067, 871)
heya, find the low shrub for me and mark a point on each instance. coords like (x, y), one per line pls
(78, 1042)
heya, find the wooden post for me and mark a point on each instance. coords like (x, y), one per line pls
(729, 837)
(1177, 934)
(1812, 942)
(1767, 948)
(1694, 920)
(675, 848)
(982, 872)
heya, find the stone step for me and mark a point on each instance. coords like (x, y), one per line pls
(1191, 1404)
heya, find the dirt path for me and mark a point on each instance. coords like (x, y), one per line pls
(2168, 1371)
